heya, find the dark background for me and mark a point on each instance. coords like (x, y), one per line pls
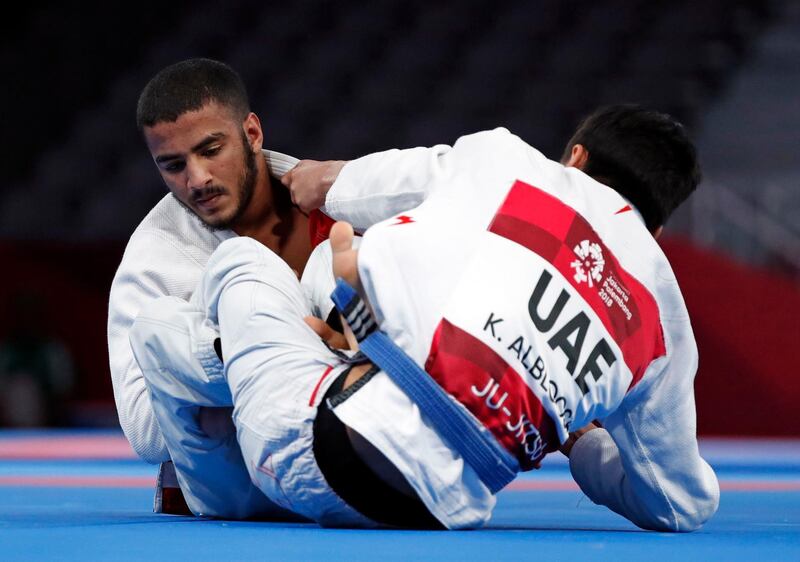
(341, 79)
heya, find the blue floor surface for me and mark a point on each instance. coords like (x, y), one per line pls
(56, 507)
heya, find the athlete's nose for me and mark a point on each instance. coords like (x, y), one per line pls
(197, 175)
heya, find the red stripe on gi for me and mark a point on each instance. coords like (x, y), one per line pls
(319, 227)
(468, 370)
(545, 225)
(313, 398)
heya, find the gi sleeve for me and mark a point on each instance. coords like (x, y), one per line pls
(378, 186)
(141, 278)
(645, 465)
(381, 185)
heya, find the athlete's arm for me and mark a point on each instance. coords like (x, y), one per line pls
(645, 464)
(310, 180)
(367, 190)
(378, 186)
(138, 281)
(566, 446)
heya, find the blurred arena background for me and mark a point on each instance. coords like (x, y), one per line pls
(342, 78)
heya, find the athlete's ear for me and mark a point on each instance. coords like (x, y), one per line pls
(253, 132)
(578, 157)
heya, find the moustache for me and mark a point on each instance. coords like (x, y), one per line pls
(207, 193)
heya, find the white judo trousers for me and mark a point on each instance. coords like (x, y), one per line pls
(276, 371)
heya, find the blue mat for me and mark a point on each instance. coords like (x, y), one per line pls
(60, 506)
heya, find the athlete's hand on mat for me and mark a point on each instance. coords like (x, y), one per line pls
(310, 180)
(334, 339)
(573, 437)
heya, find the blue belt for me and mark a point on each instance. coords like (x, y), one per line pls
(495, 466)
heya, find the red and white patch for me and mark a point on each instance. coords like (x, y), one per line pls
(545, 331)
(543, 224)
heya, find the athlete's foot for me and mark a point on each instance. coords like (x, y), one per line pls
(345, 258)
(345, 265)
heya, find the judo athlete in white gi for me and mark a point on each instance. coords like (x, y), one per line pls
(196, 120)
(534, 296)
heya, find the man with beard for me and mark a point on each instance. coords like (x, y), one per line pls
(207, 144)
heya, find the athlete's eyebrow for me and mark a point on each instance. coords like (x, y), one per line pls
(209, 139)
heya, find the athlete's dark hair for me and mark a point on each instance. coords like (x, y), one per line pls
(644, 155)
(188, 86)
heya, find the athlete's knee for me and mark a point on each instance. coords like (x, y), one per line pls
(237, 253)
(238, 259)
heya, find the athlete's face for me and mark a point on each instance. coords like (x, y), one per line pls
(207, 158)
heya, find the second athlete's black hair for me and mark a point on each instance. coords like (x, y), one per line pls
(644, 155)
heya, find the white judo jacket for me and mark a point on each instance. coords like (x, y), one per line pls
(165, 256)
(550, 282)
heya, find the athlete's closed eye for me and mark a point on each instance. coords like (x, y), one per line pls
(173, 166)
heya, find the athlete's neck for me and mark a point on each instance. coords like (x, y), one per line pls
(271, 219)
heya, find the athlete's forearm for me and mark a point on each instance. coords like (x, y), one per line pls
(150, 268)
(648, 492)
(376, 187)
(135, 412)
(136, 416)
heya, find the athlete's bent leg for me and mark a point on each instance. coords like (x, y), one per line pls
(174, 346)
(278, 370)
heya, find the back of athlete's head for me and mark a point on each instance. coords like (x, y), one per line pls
(644, 155)
(188, 86)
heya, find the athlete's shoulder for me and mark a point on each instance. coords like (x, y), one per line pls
(501, 146)
(492, 137)
(170, 225)
(169, 217)
(169, 240)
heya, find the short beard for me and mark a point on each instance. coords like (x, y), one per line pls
(246, 188)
